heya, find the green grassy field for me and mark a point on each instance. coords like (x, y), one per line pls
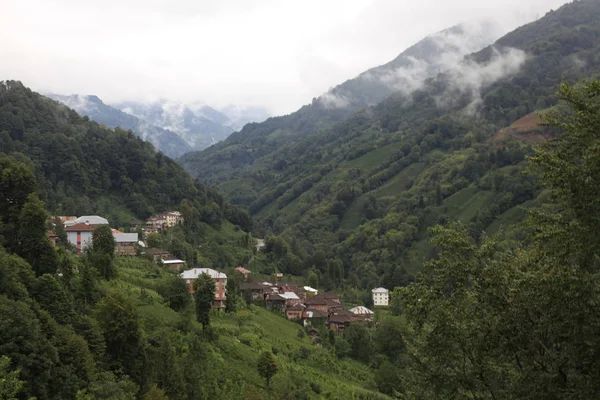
(243, 335)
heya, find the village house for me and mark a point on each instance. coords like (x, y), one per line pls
(126, 243)
(172, 218)
(253, 290)
(156, 254)
(340, 319)
(275, 301)
(311, 316)
(324, 302)
(291, 298)
(310, 292)
(244, 272)
(294, 312)
(317, 303)
(80, 235)
(258, 290)
(173, 264)
(155, 224)
(219, 278)
(162, 221)
(291, 287)
(381, 297)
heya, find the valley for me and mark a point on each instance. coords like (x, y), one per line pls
(427, 229)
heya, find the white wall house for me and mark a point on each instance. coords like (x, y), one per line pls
(381, 296)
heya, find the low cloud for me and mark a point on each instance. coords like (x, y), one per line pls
(331, 100)
(469, 77)
(444, 54)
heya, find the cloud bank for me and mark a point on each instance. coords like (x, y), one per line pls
(249, 52)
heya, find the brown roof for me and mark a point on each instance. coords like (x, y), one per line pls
(297, 307)
(276, 297)
(80, 228)
(315, 300)
(339, 318)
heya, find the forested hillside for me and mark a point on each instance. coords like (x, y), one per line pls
(420, 61)
(83, 168)
(365, 191)
(98, 326)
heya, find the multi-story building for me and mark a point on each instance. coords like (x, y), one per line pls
(219, 278)
(381, 296)
(172, 218)
(80, 235)
(163, 221)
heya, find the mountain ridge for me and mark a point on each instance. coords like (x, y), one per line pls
(423, 59)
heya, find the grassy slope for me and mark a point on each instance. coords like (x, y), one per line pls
(243, 335)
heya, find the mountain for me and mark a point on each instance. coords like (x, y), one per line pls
(84, 168)
(242, 115)
(91, 106)
(365, 190)
(199, 126)
(424, 59)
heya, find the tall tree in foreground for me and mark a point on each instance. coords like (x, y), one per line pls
(204, 294)
(267, 366)
(17, 182)
(119, 319)
(34, 243)
(491, 324)
(102, 254)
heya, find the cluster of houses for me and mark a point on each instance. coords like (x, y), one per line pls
(79, 233)
(306, 304)
(160, 222)
(302, 303)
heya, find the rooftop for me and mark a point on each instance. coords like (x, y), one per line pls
(126, 237)
(380, 290)
(173, 261)
(196, 272)
(289, 296)
(89, 219)
(80, 228)
(243, 270)
(360, 310)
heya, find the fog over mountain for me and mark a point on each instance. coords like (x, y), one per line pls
(265, 53)
(172, 127)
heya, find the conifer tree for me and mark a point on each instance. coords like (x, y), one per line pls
(34, 243)
(204, 294)
(267, 366)
(102, 254)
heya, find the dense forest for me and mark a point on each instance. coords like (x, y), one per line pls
(83, 168)
(365, 191)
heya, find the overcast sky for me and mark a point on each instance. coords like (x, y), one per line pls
(273, 53)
